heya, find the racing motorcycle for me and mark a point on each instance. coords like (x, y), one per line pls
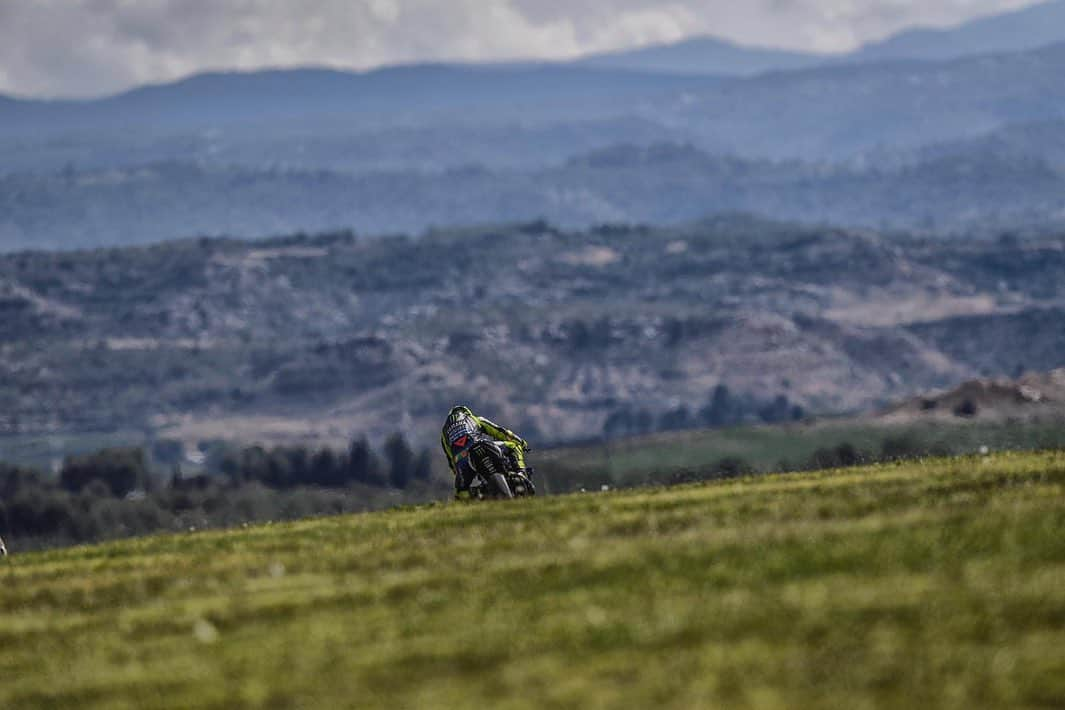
(497, 474)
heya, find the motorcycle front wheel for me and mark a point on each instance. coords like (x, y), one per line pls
(502, 486)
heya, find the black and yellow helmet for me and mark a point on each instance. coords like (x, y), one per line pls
(458, 413)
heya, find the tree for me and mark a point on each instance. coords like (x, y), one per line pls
(722, 409)
(423, 467)
(675, 419)
(363, 464)
(254, 465)
(896, 448)
(121, 470)
(279, 470)
(846, 454)
(400, 459)
(733, 467)
(619, 423)
(325, 469)
(628, 422)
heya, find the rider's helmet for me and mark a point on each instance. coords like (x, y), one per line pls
(457, 414)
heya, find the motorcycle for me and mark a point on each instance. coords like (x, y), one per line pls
(497, 474)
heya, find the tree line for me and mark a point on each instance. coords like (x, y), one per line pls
(723, 408)
(116, 492)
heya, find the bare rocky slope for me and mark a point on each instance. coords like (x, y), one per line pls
(1033, 397)
(553, 332)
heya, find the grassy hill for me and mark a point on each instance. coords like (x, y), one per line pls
(700, 454)
(933, 583)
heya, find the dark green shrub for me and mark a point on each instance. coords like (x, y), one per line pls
(121, 469)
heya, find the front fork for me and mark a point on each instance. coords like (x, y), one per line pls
(501, 484)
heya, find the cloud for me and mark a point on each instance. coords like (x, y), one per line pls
(90, 47)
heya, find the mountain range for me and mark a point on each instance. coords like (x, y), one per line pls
(706, 55)
(391, 95)
(1019, 30)
(951, 130)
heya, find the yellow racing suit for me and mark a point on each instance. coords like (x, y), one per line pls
(456, 439)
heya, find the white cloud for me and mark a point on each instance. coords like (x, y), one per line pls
(89, 47)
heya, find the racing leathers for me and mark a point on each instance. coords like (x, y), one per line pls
(461, 430)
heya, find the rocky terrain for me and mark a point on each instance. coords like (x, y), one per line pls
(313, 338)
(1035, 397)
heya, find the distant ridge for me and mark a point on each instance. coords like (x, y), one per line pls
(290, 93)
(667, 65)
(1020, 30)
(706, 55)
(976, 142)
(1029, 28)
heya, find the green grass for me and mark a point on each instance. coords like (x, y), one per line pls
(936, 583)
(633, 460)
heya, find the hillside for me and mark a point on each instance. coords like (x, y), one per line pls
(843, 111)
(1033, 143)
(928, 584)
(314, 338)
(975, 188)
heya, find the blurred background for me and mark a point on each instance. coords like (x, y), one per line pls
(252, 252)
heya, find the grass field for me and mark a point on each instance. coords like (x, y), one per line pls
(936, 583)
(632, 461)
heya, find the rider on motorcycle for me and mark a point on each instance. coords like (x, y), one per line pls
(461, 429)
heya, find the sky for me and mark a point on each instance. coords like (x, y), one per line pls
(80, 48)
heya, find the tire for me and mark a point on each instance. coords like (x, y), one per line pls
(501, 485)
(521, 485)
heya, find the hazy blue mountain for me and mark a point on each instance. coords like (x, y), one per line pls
(390, 96)
(705, 55)
(843, 111)
(1014, 31)
(340, 146)
(1041, 141)
(974, 192)
(1028, 28)
(943, 145)
(431, 118)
